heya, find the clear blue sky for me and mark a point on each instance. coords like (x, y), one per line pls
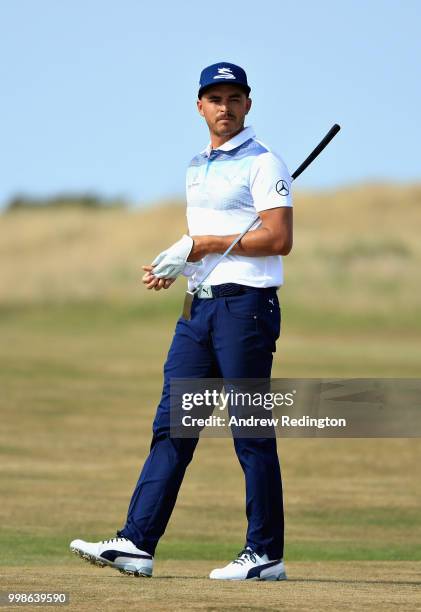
(100, 95)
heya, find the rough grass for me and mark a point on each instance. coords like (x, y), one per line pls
(356, 251)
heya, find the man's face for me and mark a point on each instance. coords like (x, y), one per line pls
(224, 108)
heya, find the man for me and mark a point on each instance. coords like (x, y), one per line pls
(234, 325)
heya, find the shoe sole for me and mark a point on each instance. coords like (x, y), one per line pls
(281, 576)
(257, 579)
(100, 562)
(270, 578)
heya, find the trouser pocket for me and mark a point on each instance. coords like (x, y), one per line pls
(269, 318)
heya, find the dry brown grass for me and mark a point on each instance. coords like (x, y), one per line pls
(358, 246)
(56, 255)
(311, 586)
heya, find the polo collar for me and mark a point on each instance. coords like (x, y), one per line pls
(235, 142)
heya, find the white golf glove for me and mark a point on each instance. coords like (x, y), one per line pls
(171, 262)
(191, 268)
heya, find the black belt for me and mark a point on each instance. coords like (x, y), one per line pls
(231, 289)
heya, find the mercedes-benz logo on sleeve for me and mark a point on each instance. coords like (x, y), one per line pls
(282, 187)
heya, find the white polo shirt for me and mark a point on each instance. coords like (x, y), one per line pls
(226, 188)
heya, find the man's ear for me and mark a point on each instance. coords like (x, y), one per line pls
(249, 103)
(200, 107)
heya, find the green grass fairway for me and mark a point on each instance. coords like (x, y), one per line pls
(80, 386)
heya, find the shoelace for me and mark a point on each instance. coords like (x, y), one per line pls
(245, 555)
(114, 540)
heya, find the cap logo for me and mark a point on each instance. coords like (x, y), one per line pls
(224, 73)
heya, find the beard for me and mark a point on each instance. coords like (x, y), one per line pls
(226, 129)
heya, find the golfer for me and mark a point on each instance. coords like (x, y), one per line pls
(234, 325)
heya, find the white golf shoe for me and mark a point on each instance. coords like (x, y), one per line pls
(119, 553)
(249, 566)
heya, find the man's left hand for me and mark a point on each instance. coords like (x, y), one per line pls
(170, 263)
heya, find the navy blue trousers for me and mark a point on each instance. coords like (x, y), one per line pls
(227, 337)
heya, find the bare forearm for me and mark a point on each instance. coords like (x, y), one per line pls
(258, 243)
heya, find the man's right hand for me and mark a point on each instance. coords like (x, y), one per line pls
(152, 282)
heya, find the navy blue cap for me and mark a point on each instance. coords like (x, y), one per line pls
(223, 72)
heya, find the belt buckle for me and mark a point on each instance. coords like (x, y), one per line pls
(205, 292)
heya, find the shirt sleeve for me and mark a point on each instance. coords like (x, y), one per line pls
(270, 182)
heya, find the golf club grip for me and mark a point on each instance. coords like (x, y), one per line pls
(322, 144)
